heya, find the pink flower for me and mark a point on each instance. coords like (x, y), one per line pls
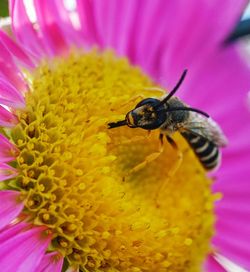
(162, 38)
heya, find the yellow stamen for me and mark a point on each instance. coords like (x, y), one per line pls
(72, 170)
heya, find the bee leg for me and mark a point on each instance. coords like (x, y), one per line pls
(172, 142)
(148, 159)
(158, 89)
(132, 99)
(172, 170)
(179, 155)
(161, 140)
(136, 139)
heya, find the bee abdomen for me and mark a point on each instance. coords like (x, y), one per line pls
(206, 151)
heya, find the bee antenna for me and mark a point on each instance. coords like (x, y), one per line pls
(175, 88)
(117, 124)
(188, 109)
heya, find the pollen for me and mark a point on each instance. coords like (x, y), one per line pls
(75, 174)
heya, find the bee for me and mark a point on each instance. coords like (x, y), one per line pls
(171, 115)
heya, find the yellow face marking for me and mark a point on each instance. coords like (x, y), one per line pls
(154, 115)
(140, 112)
(130, 119)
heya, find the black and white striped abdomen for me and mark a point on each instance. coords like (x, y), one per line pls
(206, 151)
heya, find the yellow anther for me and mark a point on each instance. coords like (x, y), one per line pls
(166, 264)
(122, 247)
(63, 244)
(20, 142)
(30, 203)
(175, 230)
(31, 173)
(31, 128)
(46, 217)
(91, 264)
(188, 242)
(30, 146)
(71, 227)
(82, 186)
(77, 256)
(21, 160)
(106, 235)
(79, 172)
(41, 188)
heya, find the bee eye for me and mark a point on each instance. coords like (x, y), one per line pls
(148, 101)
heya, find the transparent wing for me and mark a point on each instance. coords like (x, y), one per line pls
(204, 127)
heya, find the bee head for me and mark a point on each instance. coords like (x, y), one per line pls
(151, 113)
(147, 114)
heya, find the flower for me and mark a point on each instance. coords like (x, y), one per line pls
(65, 202)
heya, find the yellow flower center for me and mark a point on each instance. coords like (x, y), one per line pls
(75, 174)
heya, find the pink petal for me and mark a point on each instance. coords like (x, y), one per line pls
(158, 30)
(233, 249)
(7, 119)
(212, 82)
(51, 30)
(7, 172)
(203, 39)
(16, 50)
(228, 183)
(24, 251)
(12, 230)
(10, 207)
(8, 151)
(87, 21)
(9, 70)
(212, 265)
(232, 164)
(51, 262)
(24, 30)
(9, 95)
(228, 264)
(232, 231)
(70, 34)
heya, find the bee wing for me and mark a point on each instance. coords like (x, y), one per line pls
(204, 127)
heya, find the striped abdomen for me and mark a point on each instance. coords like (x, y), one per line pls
(206, 151)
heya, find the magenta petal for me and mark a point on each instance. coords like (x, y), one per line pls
(51, 262)
(161, 30)
(10, 207)
(10, 94)
(69, 32)
(8, 151)
(7, 172)
(232, 234)
(7, 119)
(24, 251)
(24, 30)
(87, 21)
(9, 70)
(12, 230)
(52, 34)
(222, 18)
(233, 213)
(228, 264)
(16, 50)
(212, 265)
